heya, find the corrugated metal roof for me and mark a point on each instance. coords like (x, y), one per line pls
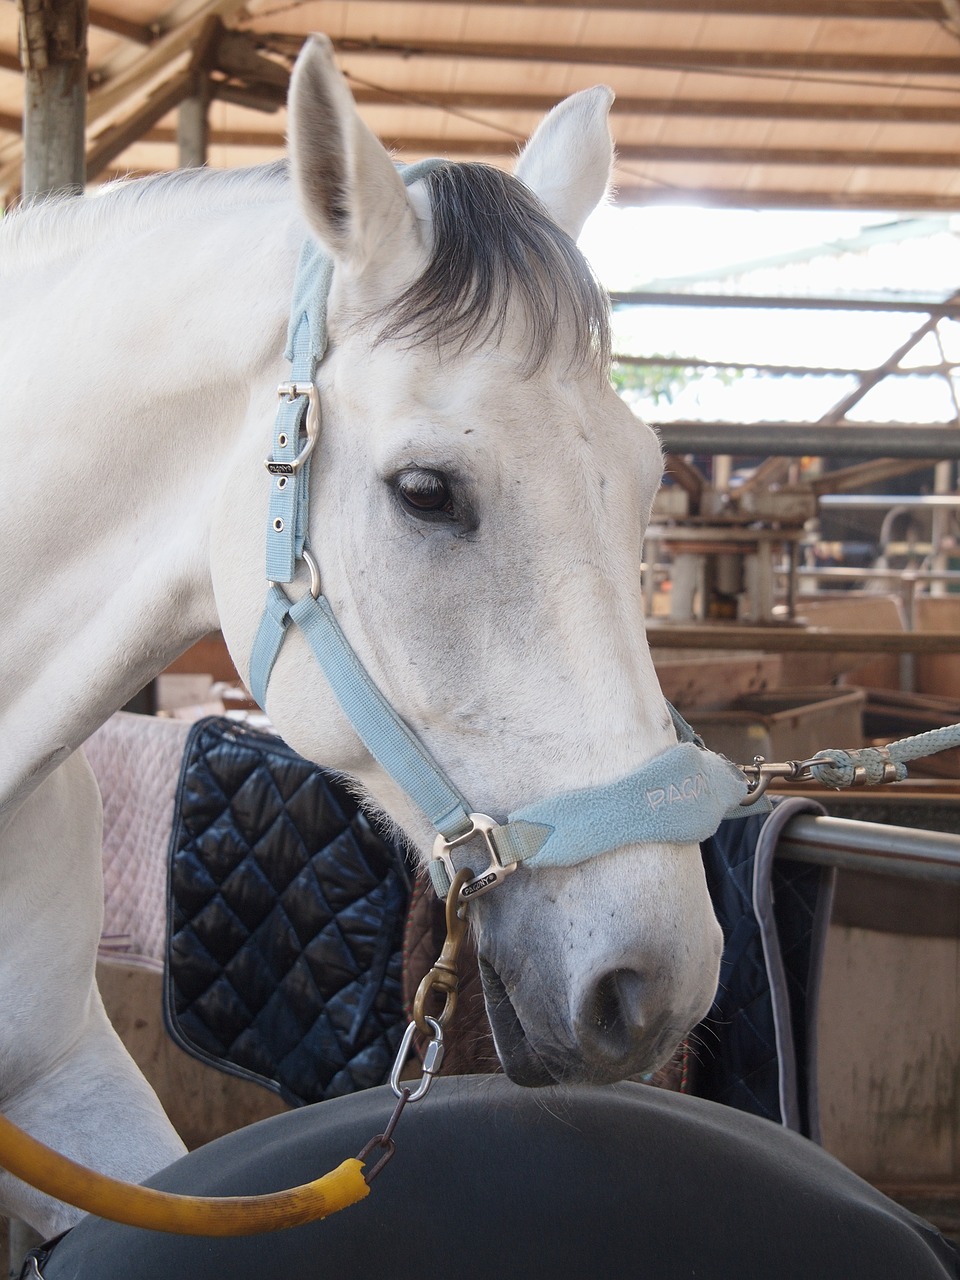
(761, 103)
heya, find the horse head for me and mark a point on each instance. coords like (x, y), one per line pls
(478, 501)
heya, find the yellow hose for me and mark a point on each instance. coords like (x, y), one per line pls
(64, 1179)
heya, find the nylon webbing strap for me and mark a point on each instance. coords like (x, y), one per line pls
(287, 493)
(391, 743)
(267, 642)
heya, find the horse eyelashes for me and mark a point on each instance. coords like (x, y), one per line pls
(425, 494)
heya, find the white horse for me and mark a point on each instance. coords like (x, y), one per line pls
(479, 500)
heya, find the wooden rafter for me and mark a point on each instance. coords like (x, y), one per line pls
(705, 108)
(109, 144)
(653, 192)
(627, 154)
(793, 60)
(133, 72)
(269, 97)
(136, 32)
(844, 10)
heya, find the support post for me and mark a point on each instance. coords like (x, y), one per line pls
(53, 52)
(193, 125)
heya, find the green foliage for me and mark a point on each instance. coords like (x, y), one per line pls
(663, 381)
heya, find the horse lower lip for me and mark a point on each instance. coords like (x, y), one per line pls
(522, 1064)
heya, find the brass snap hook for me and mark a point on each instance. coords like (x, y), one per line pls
(443, 977)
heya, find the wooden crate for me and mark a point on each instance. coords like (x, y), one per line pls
(789, 724)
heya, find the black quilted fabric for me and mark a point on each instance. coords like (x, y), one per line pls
(285, 921)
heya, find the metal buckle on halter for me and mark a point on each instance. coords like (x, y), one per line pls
(311, 426)
(496, 871)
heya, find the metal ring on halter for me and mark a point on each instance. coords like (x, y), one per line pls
(292, 390)
(314, 570)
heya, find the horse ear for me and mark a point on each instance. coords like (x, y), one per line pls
(350, 192)
(568, 160)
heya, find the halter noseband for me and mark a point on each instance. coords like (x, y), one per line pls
(679, 797)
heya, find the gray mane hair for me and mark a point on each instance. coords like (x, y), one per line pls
(494, 243)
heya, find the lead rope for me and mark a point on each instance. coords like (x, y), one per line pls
(136, 1206)
(867, 766)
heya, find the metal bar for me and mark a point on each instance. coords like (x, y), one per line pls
(802, 440)
(839, 573)
(862, 501)
(654, 298)
(872, 846)
(783, 639)
(876, 376)
(779, 370)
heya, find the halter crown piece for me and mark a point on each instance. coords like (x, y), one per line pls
(679, 797)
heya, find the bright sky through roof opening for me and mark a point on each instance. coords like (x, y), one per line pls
(781, 253)
(629, 247)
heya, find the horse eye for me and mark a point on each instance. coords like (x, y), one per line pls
(425, 493)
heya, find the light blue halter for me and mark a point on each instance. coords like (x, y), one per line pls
(679, 797)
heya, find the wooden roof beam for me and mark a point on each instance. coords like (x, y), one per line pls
(844, 10)
(627, 154)
(115, 140)
(269, 97)
(651, 193)
(136, 32)
(681, 59)
(131, 70)
(709, 108)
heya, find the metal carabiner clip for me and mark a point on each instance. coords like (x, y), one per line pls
(432, 1060)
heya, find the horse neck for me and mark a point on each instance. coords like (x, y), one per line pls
(116, 435)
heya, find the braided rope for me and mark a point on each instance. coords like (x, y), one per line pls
(872, 764)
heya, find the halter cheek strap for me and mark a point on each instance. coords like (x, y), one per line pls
(679, 797)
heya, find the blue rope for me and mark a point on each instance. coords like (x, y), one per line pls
(839, 768)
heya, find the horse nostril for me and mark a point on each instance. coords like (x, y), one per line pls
(617, 1011)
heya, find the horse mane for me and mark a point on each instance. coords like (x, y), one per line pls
(38, 234)
(495, 242)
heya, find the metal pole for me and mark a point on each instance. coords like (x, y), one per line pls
(802, 439)
(53, 51)
(872, 846)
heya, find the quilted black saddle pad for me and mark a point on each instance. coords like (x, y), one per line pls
(285, 920)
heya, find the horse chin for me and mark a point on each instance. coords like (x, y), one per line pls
(530, 1067)
(521, 1062)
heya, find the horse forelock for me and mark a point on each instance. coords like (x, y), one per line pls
(495, 245)
(59, 227)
